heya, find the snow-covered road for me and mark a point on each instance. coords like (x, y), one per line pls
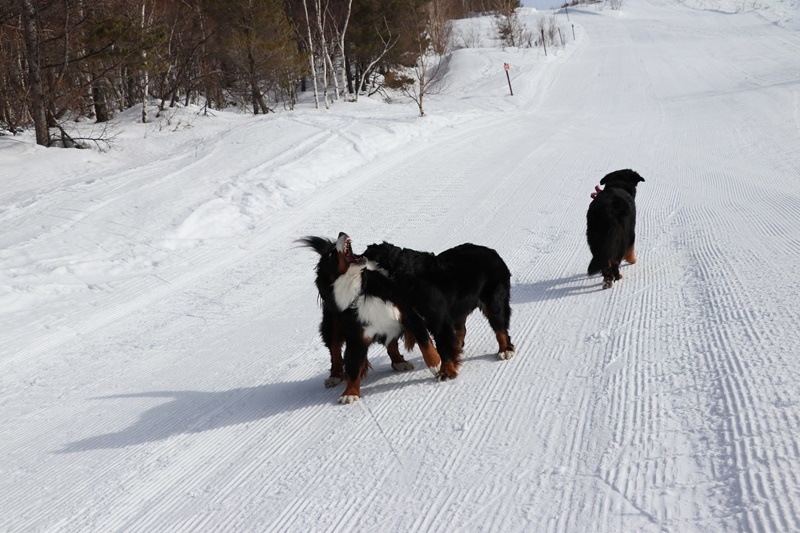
(183, 389)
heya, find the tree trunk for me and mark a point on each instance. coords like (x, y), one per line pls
(349, 75)
(311, 56)
(255, 91)
(333, 75)
(347, 80)
(323, 54)
(100, 104)
(38, 106)
(145, 75)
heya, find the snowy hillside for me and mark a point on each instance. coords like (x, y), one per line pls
(162, 369)
(781, 12)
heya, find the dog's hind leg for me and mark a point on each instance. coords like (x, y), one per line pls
(608, 275)
(449, 346)
(461, 329)
(417, 333)
(497, 309)
(331, 332)
(611, 274)
(630, 255)
(505, 349)
(398, 361)
(429, 353)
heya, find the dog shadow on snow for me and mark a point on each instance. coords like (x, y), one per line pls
(558, 288)
(553, 289)
(187, 411)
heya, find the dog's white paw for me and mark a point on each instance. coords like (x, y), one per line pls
(435, 369)
(332, 382)
(402, 367)
(348, 399)
(608, 284)
(508, 354)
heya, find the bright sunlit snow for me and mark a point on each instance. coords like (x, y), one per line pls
(161, 363)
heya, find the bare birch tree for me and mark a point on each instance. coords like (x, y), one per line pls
(388, 43)
(341, 42)
(323, 51)
(429, 66)
(311, 60)
(145, 73)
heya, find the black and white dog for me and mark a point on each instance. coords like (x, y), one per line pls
(362, 305)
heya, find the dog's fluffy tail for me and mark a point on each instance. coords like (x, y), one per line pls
(319, 244)
(595, 266)
(604, 245)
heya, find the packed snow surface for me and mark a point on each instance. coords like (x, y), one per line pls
(161, 363)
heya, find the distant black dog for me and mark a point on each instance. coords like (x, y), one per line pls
(611, 225)
(445, 288)
(361, 305)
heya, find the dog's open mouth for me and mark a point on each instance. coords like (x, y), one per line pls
(345, 247)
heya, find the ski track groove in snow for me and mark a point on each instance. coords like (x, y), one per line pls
(668, 403)
(735, 403)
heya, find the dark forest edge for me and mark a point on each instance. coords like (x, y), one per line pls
(74, 60)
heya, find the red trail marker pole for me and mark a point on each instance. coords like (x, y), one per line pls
(507, 67)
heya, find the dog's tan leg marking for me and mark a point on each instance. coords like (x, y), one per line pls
(431, 357)
(461, 330)
(398, 361)
(505, 350)
(630, 255)
(449, 369)
(352, 390)
(608, 275)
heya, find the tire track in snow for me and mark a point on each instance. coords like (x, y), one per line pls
(158, 507)
(139, 472)
(740, 390)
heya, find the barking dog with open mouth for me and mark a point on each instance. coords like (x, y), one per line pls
(611, 225)
(447, 287)
(361, 305)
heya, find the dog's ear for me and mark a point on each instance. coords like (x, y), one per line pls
(622, 176)
(321, 245)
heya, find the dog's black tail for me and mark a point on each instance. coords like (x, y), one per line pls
(605, 240)
(595, 265)
(321, 245)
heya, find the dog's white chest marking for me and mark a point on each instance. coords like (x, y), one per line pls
(378, 316)
(347, 287)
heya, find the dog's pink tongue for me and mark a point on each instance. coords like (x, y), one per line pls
(597, 189)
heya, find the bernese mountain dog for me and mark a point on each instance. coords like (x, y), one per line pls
(362, 305)
(447, 287)
(611, 224)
